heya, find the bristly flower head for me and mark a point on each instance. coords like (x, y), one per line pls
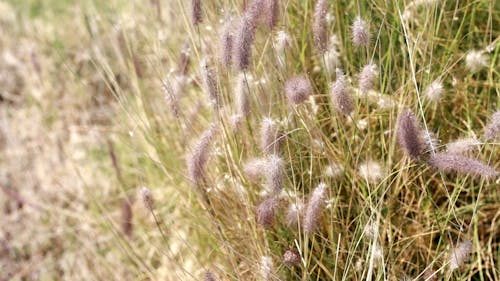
(147, 198)
(368, 77)
(291, 257)
(273, 171)
(409, 134)
(198, 157)
(210, 82)
(360, 33)
(456, 163)
(460, 254)
(371, 171)
(245, 34)
(320, 29)
(270, 136)
(342, 99)
(314, 208)
(254, 169)
(462, 146)
(242, 98)
(492, 130)
(298, 89)
(282, 41)
(272, 13)
(227, 41)
(266, 211)
(475, 60)
(293, 213)
(434, 91)
(196, 11)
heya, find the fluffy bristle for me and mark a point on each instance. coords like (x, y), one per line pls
(272, 12)
(298, 89)
(270, 137)
(274, 171)
(360, 33)
(368, 77)
(147, 198)
(460, 164)
(242, 98)
(434, 91)
(199, 155)
(342, 99)
(291, 257)
(460, 254)
(409, 134)
(475, 60)
(320, 28)
(266, 211)
(210, 82)
(314, 208)
(492, 129)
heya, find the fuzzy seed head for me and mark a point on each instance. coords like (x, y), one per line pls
(227, 41)
(274, 170)
(462, 146)
(492, 129)
(147, 198)
(409, 134)
(242, 96)
(196, 13)
(360, 33)
(245, 34)
(293, 213)
(254, 169)
(266, 211)
(341, 98)
(298, 89)
(434, 91)
(210, 82)
(198, 157)
(291, 257)
(460, 254)
(314, 208)
(475, 60)
(371, 171)
(270, 137)
(272, 12)
(282, 41)
(320, 26)
(334, 170)
(447, 163)
(368, 77)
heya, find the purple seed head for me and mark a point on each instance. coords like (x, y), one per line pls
(245, 34)
(492, 129)
(242, 98)
(360, 33)
(320, 28)
(210, 82)
(196, 12)
(460, 164)
(266, 211)
(368, 77)
(274, 171)
(227, 41)
(291, 257)
(314, 208)
(409, 134)
(209, 276)
(298, 89)
(272, 12)
(342, 99)
(198, 157)
(254, 169)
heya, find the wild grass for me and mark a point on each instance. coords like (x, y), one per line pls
(282, 159)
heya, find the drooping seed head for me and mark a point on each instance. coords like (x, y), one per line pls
(242, 96)
(314, 208)
(368, 77)
(266, 211)
(320, 26)
(270, 136)
(298, 89)
(197, 159)
(196, 12)
(492, 129)
(291, 257)
(447, 163)
(210, 82)
(147, 198)
(409, 134)
(460, 254)
(434, 91)
(360, 33)
(475, 60)
(341, 98)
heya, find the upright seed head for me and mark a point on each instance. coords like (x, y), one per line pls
(274, 170)
(272, 11)
(340, 95)
(293, 213)
(409, 134)
(266, 211)
(298, 89)
(196, 13)
(198, 157)
(245, 34)
(242, 96)
(210, 83)
(360, 33)
(314, 208)
(254, 169)
(492, 129)
(282, 41)
(460, 164)
(368, 77)
(434, 91)
(475, 60)
(460, 254)
(227, 41)
(270, 137)
(320, 26)
(147, 198)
